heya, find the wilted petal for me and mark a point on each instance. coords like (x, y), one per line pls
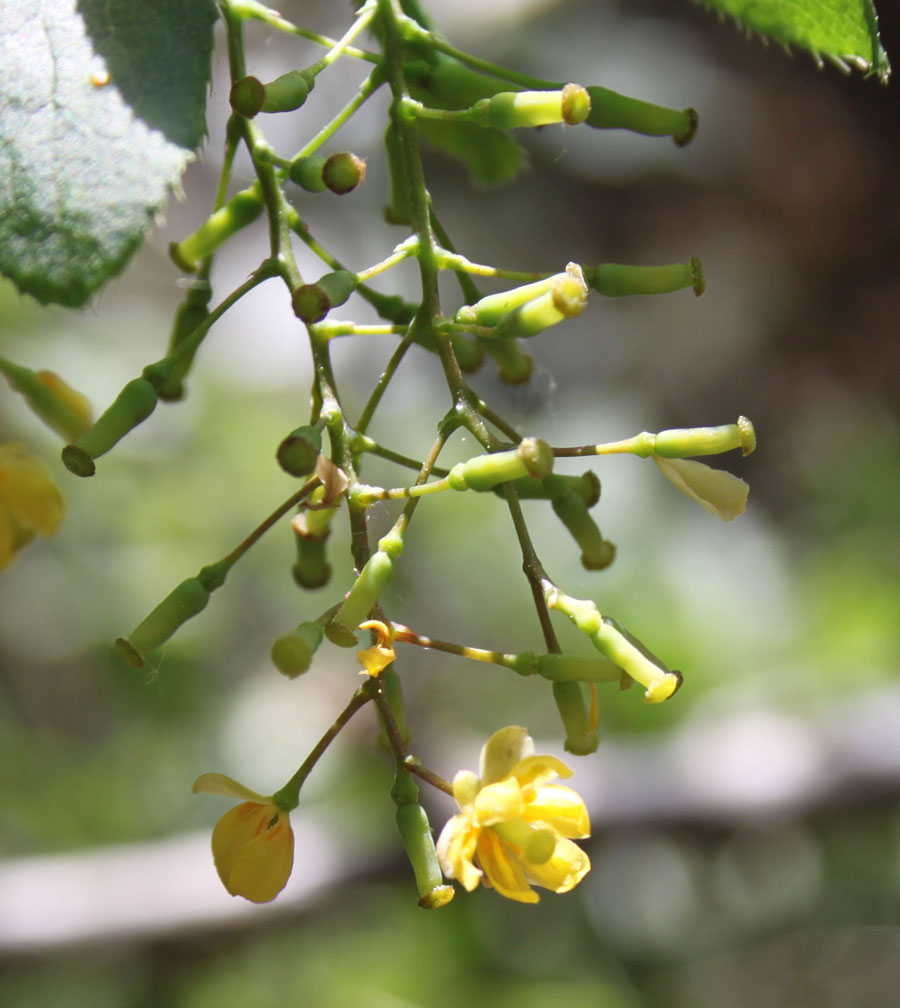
(720, 492)
(561, 809)
(502, 751)
(564, 870)
(377, 658)
(502, 871)
(221, 784)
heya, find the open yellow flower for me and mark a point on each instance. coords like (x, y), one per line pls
(253, 844)
(29, 501)
(514, 827)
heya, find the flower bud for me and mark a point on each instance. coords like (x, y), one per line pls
(614, 280)
(192, 312)
(686, 441)
(531, 457)
(586, 486)
(514, 109)
(292, 653)
(288, 92)
(343, 172)
(134, 403)
(247, 96)
(611, 110)
(242, 209)
(565, 299)
(298, 452)
(312, 302)
(597, 553)
(367, 589)
(574, 668)
(184, 602)
(581, 735)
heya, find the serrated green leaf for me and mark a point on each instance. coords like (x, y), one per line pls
(842, 30)
(86, 162)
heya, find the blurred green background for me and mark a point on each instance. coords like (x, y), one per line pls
(746, 847)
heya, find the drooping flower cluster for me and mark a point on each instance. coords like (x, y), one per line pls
(514, 828)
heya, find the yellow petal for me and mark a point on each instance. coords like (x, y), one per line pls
(564, 870)
(502, 751)
(455, 849)
(561, 809)
(465, 786)
(377, 658)
(236, 828)
(263, 865)
(501, 869)
(720, 492)
(27, 490)
(536, 771)
(221, 784)
(498, 802)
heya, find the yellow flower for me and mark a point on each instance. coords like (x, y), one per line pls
(29, 501)
(252, 844)
(721, 493)
(376, 659)
(514, 827)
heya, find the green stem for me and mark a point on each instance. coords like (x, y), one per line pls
(288, 797)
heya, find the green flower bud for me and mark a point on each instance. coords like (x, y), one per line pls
(298, 452)
(513, 366)
(531, 457)
(311, 569)
(586, 487)
(288, 92)
(132, 405)
(247, 96)
(687, 441)
(581, 737)
(597, 553)
(306, 172)
(312, 302)
(367, 589)
(184, 602)
(292, 653)
(492, 309)
(565, 299)
(614, 280)
(415, 832)
(343, 172)
(513, 109)
(610, 110)
(242, 209)
(192, 312)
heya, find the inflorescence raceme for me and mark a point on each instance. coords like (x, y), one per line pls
(514, 829)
